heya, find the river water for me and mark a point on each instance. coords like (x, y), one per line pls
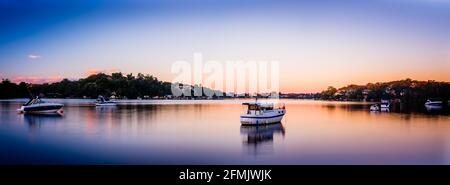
(209, 132)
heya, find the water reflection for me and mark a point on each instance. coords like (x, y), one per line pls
(105, 113)
(319, 133)
(259, 139)
(35, 121)
(106, 108)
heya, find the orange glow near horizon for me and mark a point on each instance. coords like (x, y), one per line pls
(311, 86)
(289, 82)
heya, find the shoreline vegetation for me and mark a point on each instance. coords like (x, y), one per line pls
(143, 86)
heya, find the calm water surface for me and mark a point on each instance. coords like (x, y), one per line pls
(209, 132)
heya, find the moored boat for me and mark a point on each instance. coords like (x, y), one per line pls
(262, 113)
(385, 106)
(101, 101)
(375, 108)
(433, 105)
(37, 106)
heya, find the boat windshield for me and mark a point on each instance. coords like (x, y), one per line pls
(33, 101)
(29, 102)
(101, 99)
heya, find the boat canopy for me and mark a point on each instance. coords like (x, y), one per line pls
(33, 101)
(259, 106)
(100, 98)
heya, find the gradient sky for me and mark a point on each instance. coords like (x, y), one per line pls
(318, 43)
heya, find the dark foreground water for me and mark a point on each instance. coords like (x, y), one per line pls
(209, 132)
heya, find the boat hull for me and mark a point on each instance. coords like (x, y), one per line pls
(42, 109)
(261, 120)
(435, 105)
(105, 104)
(374, 108)
(98, 104)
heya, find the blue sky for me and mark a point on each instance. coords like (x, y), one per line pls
(355, 41)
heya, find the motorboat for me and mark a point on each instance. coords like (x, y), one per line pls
(374, 108)
(385, 105)
(433, 105)
(262, 113)
(37, 106)
(101, 101)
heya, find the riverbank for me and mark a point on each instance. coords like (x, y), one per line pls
(396, 107)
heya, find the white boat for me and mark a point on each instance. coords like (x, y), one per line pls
(433, 105)
(262, 113)
(385, 105)
(101, 101)
(37, 106)
(381, 107)
(375, 108)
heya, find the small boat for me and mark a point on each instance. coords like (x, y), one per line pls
(262, 113)
(381, 107)
(385, 105)
(101, 101)
(37, 106)
(374, 108)
(433, 105)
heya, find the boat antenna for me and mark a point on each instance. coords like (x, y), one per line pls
(29, 92)
(31, 96)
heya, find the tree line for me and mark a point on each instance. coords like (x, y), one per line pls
(405, 90)
(141, 85)
(122, 86)
(129, 86)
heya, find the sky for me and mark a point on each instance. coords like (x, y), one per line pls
(318, 43)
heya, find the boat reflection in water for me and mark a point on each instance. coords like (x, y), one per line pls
(106, 108)
(35, 121)
(259, 139)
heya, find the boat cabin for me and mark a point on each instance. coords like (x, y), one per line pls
(259, 108)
